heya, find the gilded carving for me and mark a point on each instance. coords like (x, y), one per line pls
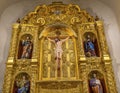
(59, 20)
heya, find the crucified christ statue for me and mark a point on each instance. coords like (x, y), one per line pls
(58, 49)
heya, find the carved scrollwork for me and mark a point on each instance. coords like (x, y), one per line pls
(51, 73)
(41, 21)
(74, 20)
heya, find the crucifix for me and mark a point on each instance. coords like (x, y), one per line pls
(58, 49)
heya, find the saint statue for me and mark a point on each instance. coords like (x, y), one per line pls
(58, 49)
(95, 85)
(89, 47)
(26, 48)
(22, 86)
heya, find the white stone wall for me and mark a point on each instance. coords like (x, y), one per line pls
(94, 7)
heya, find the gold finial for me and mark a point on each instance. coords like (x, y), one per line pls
(18, 20)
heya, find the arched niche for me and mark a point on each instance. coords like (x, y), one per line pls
(96, 82)
(90, 43)
(55, 27)
(21, 83)
(25, 47)
(68, 60)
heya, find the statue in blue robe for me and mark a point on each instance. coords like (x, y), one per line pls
(23, 86)
(89, 47)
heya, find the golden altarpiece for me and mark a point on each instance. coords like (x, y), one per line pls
(32, 57)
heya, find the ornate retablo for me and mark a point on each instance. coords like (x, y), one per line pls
(59, 48)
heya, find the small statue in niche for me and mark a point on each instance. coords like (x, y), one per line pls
(27, 47)
(96, 85)
(89, 47)
(22, 85)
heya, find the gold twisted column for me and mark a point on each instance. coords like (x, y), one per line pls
(84, 77)
(12, 53)
(106, 59)
(104, 48)
(82, 64)
(110, 77)
(41, 58)
(80, 42)
(7, 81)
(33, 88)
(13, 45)
(34, 61)
(36, 43)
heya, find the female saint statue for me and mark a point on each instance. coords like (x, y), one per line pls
(22, 85)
